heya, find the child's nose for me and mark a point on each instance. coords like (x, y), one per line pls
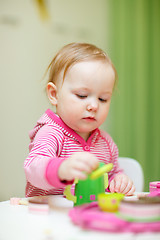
(92, 105)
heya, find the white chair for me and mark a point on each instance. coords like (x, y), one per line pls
(133, 169)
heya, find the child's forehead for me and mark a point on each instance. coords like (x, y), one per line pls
(90, 62)
(85, 74)
(87, 67)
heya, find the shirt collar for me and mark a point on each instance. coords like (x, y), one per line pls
(70, 132)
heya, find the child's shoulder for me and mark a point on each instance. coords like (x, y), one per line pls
(105, 135)
(46, 126)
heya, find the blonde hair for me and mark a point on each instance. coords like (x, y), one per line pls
(73, 53)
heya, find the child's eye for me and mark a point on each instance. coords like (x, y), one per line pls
(102, 100)
(81, 96)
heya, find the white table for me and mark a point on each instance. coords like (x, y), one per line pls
(17, 223)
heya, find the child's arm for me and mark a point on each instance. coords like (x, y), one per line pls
(43, 157)
(46, 171)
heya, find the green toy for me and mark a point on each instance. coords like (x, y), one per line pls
(87, 190)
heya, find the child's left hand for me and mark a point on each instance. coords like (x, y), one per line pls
(121, 183)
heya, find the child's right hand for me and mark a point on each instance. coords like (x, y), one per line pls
(78, 166)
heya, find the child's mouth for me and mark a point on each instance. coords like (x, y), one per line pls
(91, 119)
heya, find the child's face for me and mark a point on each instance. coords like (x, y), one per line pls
(83, 99)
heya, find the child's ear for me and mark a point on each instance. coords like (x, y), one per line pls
(52, 93)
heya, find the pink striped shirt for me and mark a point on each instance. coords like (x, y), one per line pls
(52, 141)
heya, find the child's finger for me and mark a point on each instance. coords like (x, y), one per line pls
(78, 174)
(87, 158)
(128, 188)
(124, 183)
(112, 186)
(83, 167)
(123, 186)
(91, 161)
(131, 191)
(118, 183)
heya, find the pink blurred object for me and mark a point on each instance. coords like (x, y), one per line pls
(154, 186)
(154, 194)
(89, 216)
(15, 201)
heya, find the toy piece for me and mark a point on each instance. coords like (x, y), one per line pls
(154, 186)
(68, 194)
(87, 190)
(109, 202)
(89, 216)
(23, 202)
(14, 201)
(100, 171)
(145, 209)
(154, 194)
(18, 201)
(38, 205)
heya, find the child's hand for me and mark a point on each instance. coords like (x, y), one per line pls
(77, 166)
(122, 184)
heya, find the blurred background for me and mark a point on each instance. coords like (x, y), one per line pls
(32, 31)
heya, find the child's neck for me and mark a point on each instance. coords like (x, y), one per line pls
(85, 136)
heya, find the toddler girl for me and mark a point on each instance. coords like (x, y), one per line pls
(68, 144)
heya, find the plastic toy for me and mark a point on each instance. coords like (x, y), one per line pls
(144, 209)
(154, 186)
(18, 201)
(87, 190)
(109, 202)
(89, 216)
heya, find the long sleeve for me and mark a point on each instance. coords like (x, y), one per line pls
(43, 159)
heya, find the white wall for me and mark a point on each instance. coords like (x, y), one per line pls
(27, 44)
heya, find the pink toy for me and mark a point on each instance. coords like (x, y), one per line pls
(15, 201)
(154, 186)
(144, 209)
(18, 201)
(154, 194)
(89, 216)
